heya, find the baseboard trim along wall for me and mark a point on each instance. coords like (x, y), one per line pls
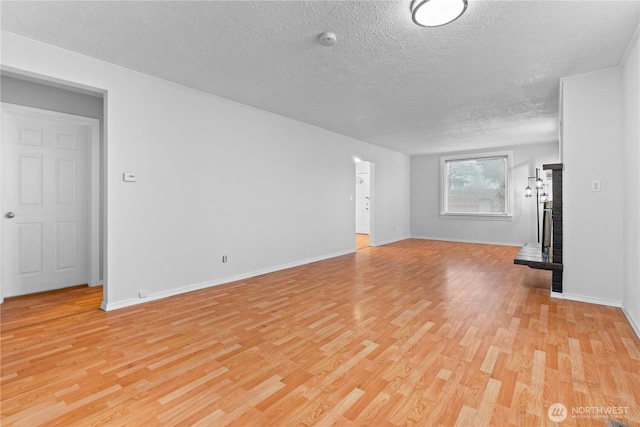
(198, 286)
(479, 242)
(592, 300)
(634, 325)
(558, 295)
(388, 242)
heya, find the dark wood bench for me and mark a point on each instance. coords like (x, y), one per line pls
(531, 255)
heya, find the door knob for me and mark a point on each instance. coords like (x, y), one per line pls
(10, 215)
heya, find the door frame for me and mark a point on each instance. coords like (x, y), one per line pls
(372, 201)
(94, 186)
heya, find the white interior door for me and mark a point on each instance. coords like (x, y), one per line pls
(363, 203)
(46, 203)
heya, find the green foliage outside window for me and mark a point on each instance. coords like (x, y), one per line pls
(476, 185)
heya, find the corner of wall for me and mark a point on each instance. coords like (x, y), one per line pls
(632, 43)
(633, 322)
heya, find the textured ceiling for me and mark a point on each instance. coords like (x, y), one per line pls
(488, 79)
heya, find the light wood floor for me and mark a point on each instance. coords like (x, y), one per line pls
(362, 241)
(416, 333)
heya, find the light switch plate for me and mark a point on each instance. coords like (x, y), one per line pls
(129, 177)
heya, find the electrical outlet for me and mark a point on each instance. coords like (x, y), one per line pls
(224, 258)
(595, 185)
(143, 293)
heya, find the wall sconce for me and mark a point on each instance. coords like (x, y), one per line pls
(538, 184)
(544, 197)
(528, 192)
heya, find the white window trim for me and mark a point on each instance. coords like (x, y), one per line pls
(508, 216)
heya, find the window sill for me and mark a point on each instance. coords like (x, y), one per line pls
(479, 217)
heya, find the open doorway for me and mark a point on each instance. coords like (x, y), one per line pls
(363, 204)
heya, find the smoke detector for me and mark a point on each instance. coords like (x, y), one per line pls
(327, 38)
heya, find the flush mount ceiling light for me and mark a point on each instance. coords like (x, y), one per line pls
(434, 13)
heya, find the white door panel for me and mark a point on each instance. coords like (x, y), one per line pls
(29, 248)
(45, 181)
(363, 203)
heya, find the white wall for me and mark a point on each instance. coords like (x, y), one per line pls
(631, 156)
(593, 221)
(216, 178)
(425, 201)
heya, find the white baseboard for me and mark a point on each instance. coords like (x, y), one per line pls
(632, 322)
(558, 295)
(592, 300)
(388, 242)
(108, 306)
(480, 242)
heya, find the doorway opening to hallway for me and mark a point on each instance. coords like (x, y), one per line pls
(363, 205)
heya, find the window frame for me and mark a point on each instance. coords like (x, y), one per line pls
(508, 215)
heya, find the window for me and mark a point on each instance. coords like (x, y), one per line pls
(476, 185)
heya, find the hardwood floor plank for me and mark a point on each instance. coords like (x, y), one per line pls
(192, 385)
(490, 359)
(488, 402)
(335, 413)
(414, 333)
(536, 384)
